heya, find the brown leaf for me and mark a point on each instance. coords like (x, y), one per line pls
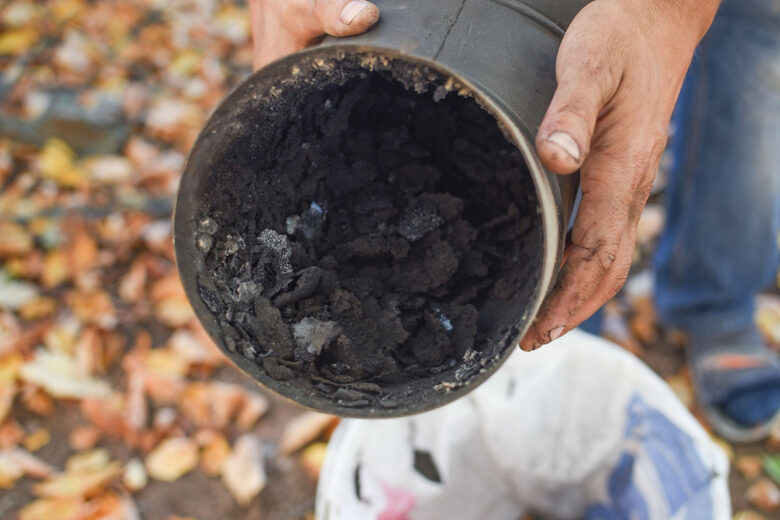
(131, 285)
(84, 437)
(93, 306)
(304, 429)
(215, 451)
(11, 434)
(14, 239)
(749, 466)
(764, 495)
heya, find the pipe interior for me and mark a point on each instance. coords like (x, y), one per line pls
(367, 238)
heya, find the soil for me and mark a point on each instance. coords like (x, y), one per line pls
(381, 238)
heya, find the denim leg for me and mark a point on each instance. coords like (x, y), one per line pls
(720, 246)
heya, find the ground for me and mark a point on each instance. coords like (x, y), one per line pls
(113, 401)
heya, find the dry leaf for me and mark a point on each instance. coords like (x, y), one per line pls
(15, 240)
(748, 515)
(131, 285)
(11, 434)
(37, 440)
(88, 461)
(255, 405)
(38, 308)
(93, 306)
(58, 374)
(749, 466)
(109, 169)
(215, 452)
(84, 437)
(78, 483)
(764, 495)
(16, 41)
(134, 477)
(304, 429)
(66, 508)
(313, 457)
(56, 162)
(172, 459)
(244, 470)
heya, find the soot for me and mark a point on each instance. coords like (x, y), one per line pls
(369, 241)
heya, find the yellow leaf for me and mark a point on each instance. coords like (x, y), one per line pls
(16, 41)
(37, 440)
(48, 508)
(88, 461)
(313, 457)
(14, 239)
(78, 483)
(172, 459)
(57, 163)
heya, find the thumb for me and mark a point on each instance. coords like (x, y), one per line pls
(346, 17)
(585, 86)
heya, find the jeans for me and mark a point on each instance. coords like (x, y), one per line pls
(720, 245)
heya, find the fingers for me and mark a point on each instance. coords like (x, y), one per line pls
(602, 245)
(587, 80)
(281, 27)
(346, 17)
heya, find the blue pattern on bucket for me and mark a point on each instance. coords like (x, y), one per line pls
(680, 471)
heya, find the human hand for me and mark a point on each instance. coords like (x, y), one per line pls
(620, 67)
(281, 27)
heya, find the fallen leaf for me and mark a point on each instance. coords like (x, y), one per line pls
(108, 169)
(254, 406)
(10, 470)
(38, 308)
(764, 495)
(771, 465)
(313, 457)
(78, 483)
(15, 294)
(748, 515)
(16, 41)
(134, 477)
(56, 162)
(37, 440)
(93, 306)
(15, 240)
(172, 458)
(11, 434)
(84, 437)
(304, 429)
(749, 466)
(88, 461)
(215, 451)
(65, 508)
(244, 471)
(59, 375)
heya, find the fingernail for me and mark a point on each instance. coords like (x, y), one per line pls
(556, 333)
(566, 143)
(351, 11)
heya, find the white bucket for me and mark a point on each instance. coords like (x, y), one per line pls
(578, 429)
